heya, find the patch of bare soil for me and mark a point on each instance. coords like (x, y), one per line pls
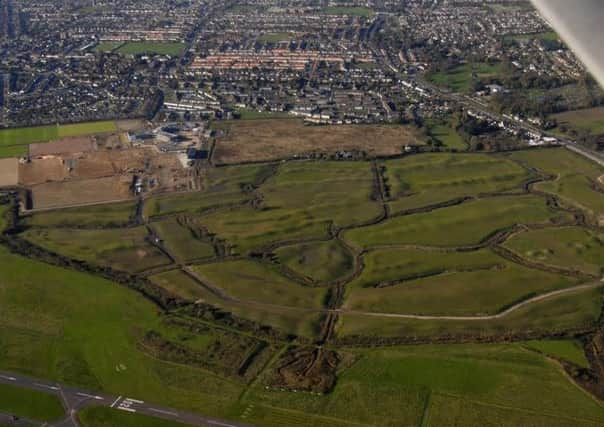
(307, 369)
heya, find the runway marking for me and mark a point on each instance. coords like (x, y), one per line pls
(47, 386)
(90, 396)
(115, 402)
(122, 408)
(8, 378)
(135, 401)
(218, 423)
(160, 411)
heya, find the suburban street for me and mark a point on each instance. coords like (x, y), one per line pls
(75, 399)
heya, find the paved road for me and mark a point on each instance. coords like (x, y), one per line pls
(75, 399)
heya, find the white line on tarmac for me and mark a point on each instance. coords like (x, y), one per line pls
(174, 414)
(8, 378)
(135, 401)
(218, 423)
(121, 408)
(47, 386)
(115, 402)
(90, 396)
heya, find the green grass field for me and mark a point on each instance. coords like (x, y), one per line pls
(13, 151)
(120, 248)
(590, 119)
(460, 78)
(573, 173)
(158, 48)
(465, 224)
(30, 404)
(568, 350)
(110, 215)
(183, 240)
(107, 417)
(443, 132)
(354, 11)
(322, 262)
(570, 247)
(24, 136)
(107, 46)
(252, 281)
(473, 284)
(434, 178)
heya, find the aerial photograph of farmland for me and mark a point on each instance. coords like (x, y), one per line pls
(291, 213)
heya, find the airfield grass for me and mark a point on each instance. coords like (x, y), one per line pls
(413, 385)
(577, 310)
(345, 10)
(442, 131)
(78, 329)
(433, 178)
(574, 176)
(465, 224)
(222, 187)
(590, 119)
(107, 215)
(569, 350)
(460, 78)
(159, 48)
(570, 247)
(468, 286)
(24, 136)
(182, 241)
(322, 262)
(252, 281)
(120, 248)
(300, 202)
(30, 404)
(108, 417)
(301, 323)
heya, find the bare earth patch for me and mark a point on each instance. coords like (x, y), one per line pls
(9, 172)
(258, 140)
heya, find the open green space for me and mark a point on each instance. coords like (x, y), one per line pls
(465, 224)
(589, 119)
(124, 249)
(24, 136)
(107, 417)
(184, 238)
(574, 177)
(442, 132)
(273, 37)
(300, 202)
(13, 151)
(180, 284)
(30, 404)
(348, 10)
(438, 385)
(252, 281)
(568, 350)
(107, 46)
(461, 77)
(579, 309)
(157, 48)
(108, 215)
(434, 178)
(570, 247)
(321, 262)
(438, 284)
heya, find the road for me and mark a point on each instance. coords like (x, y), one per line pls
(75, 399)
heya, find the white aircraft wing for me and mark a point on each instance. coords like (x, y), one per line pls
(580, 23)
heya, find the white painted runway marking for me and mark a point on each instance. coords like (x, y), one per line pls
(115, 402)
(218, 423)
(90, 396)
(121, 408)
(47, 386)
(8, 378)
(135, 401)
(160, 411)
